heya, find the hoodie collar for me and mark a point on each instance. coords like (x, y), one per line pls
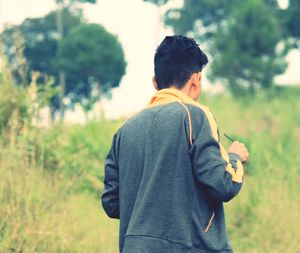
(170, 95)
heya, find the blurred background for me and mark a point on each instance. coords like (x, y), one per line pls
(71, 73)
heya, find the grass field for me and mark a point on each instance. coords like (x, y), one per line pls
(51, 181)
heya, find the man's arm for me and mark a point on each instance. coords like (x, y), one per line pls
(110, 196)
(220, 172)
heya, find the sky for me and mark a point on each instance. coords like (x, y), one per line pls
(137, 27)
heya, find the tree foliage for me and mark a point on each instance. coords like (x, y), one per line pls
(40, 43)
(203, 19)
(71, 2)
(91, 57)
(249, 56)
(241, 36)
(292, 21)
(93, 60)
(40, 40)
(157, 2)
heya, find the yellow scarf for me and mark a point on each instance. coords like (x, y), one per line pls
(170, 95)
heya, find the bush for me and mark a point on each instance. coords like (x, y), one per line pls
(13, 107)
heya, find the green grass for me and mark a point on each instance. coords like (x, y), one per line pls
(51, 181)
(54, 209)
(265, 215)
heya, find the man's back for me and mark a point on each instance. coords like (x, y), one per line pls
(156, 166)
(162, 205)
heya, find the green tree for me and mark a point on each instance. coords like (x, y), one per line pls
(203, 19)
(88, 73)
(157, 2)
(41, 40)
(242, 37)
(61, 5)
(93, 60)
(291, 19)
(248, 54)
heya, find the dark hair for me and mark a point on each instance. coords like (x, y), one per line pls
(176, 59)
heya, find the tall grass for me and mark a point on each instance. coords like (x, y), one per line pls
(51, 179)
(51, 204)
(265, 216)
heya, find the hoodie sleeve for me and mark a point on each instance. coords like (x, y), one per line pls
(220, 172)
(110, 196)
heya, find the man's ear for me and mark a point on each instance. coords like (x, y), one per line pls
(199, 78)
(155, 83)
(195, 78)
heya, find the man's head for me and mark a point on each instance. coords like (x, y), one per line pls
(178, 63)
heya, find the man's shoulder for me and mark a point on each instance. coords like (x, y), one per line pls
(175, 110)
(154, 111)
(199, 112)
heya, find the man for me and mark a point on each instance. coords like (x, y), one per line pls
(166, 174)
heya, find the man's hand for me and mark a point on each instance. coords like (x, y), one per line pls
(239, 149)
